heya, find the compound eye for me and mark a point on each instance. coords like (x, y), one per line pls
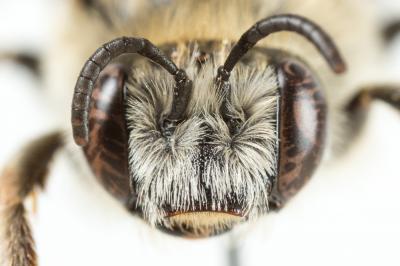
(107, 149)
(302, 127)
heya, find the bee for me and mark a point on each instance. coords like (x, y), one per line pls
(199, 116)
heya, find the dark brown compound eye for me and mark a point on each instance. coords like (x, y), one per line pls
(98, 110)
(301, 117)
(107, 150)
(302, 128)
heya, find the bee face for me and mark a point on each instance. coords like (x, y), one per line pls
(206, 176)
(220, 167)
(209, 174)
(235, 142)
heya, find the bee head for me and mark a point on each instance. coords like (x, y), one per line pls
(194, 147)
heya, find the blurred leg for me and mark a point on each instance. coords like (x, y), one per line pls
(17, 182)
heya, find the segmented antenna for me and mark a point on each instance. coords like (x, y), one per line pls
(96, 63)
(278, 23)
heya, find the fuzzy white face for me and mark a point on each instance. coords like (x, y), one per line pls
(203, 178)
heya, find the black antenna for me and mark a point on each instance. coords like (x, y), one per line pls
(278, 23)
(96, 63)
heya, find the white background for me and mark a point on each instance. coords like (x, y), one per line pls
(347, 215)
